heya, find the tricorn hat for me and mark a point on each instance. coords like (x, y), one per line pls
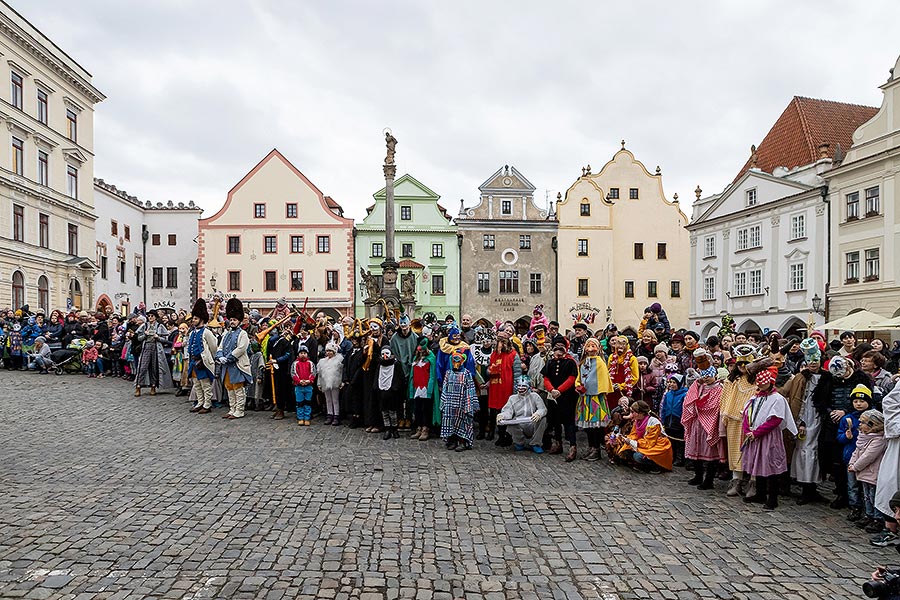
(200, 311)
(234, 309)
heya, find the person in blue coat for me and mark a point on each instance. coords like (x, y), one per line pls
(848, 431)
(670, 414)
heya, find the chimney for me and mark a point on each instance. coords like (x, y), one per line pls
(823, 150)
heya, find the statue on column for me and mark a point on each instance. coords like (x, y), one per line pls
(391, 143)
(408, 285)
(370, 283)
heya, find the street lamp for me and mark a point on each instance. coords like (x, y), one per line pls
(608, 313)
(212, 283)
(817, 305)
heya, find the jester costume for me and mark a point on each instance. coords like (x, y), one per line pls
(459, 403)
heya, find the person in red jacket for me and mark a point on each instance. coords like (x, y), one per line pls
(504, 368)
(303, 374)
(559, 381)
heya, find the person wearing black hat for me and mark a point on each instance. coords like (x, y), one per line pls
(152, 367)
(559, 381)
(232, 355)
(201, 351)
(576, 345)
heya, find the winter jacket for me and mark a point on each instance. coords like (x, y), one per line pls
(866, 459)
(849, 443)
(303, 370)
(672, 406)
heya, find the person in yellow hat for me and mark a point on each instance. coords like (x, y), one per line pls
(848, 432)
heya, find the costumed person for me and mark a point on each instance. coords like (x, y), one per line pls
(525, 404)
(670, 411)
(390, 389)
(202, 348)
(805, 468)
(179, 359)
(153, 368)
(737, 390)
(279, 354)
(376, 340)
(459, 403)
(592, 413)
(504, 370)
(424, 391)
(888, 483)
(766, 416)
(303, 375)
(832, 399)
(481, 356)
(700, 418)
(351, 381)
(559, 374)
(330, 371)
(448, 345)
(403, 346)
(646, 445)
(233, 359)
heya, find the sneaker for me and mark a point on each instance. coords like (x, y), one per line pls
(537, 449)
(885, 539)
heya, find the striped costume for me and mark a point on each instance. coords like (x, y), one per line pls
(459, 403)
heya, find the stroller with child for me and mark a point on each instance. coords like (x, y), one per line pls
(68, 360)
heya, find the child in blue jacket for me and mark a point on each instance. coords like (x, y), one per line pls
(670, 414)
(848, 431)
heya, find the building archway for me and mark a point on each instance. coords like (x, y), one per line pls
(750, 326)
(44, 293)
(709, 329)
(522, 324)
(18, 290)
(104, 304)
(793, 326)
(629, 332)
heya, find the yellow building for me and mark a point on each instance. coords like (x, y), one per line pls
(278, 236)
(621, 246)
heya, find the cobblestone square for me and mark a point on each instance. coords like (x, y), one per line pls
(108, 496)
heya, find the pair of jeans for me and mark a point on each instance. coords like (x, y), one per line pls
(853, 491)
(303, 396)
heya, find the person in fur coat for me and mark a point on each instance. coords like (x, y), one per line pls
(330, 371)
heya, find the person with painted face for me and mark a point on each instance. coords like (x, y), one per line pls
(799, 390)
(592, 413)
(390, 390)
(403, 346)
(700, 418)
(234, 361)
(505, 368)
(424, 391)
(371, 357)
(525, 403)
(459, 403)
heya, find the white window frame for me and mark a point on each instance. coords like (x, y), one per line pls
(751, 198)
(740, 284)
(709, 246)
(873, 264)
(709, 287)
(797, 277)
(798, 226)
(873, 202)
(852, 266)
(743, 236)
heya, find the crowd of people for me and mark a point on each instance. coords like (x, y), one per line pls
(759, 411)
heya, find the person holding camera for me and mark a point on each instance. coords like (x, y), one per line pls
(885, 582)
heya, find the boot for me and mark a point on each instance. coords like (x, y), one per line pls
(571, 454)
(152, 390)
(387, 433)
(759, 495)
(336, 421)
(426, 433)
(555, 447)
(279, 415)
(137, 392)
(708, 482)
(750, 488)
(328, 419)
(772, 500)
(394, 433)
(734, 489)
(697, 479)
(416, 434)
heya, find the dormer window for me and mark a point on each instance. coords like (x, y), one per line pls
(506, 207)
(751, 197)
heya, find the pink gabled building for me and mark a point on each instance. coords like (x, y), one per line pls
(278, 236)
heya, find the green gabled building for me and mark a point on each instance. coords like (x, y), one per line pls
(426, 247)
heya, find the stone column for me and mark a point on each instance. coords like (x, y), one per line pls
(389, 291)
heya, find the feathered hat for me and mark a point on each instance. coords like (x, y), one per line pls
(234, 309)
(200, 311)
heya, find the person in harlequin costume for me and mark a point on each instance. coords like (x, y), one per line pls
(232, 355)
(504, 370)
(623, 371)
(592, 413)
(201, 352)
(459, 403)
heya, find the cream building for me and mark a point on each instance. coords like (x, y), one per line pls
(621, 246)
(864, 199)
(46, 171)
(278, 236)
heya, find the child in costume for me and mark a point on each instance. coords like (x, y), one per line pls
(865, 462)
(766, 416)
(848, 431)
(700, 418)
(423, 389)
(330, 369)
(646, 445)
(390, 390)
(670, 414)
(303, 374)
(592, 385)
(459, 403)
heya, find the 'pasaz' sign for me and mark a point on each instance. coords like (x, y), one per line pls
(164, 304)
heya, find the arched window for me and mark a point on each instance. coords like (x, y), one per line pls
(75, 293)
(44, 293)
(18, 289)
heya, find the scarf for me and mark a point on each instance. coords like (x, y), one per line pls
(641, 428)
(623, 361)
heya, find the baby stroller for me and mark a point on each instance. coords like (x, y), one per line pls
(66, 360)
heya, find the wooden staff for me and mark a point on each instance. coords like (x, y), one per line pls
(271, 366)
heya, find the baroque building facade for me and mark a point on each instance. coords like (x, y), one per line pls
(426, 248)
(278, 237)
(507, 252)
(622, 246)
(46, 171)
(864, 201)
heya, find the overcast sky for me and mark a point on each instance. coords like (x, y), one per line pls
(200, 90)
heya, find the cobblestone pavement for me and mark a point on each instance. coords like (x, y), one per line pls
(103, 495)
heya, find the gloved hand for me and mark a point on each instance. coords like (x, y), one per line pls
(633, 444)
(535, 418)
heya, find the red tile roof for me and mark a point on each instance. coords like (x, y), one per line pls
(794, 139)
(410, 264)
(334, 205)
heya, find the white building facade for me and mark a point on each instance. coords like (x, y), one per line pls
(46, 169)
(758, 252)
(158, 269)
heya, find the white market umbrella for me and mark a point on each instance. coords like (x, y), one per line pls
(889, 324)
(861, 320)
